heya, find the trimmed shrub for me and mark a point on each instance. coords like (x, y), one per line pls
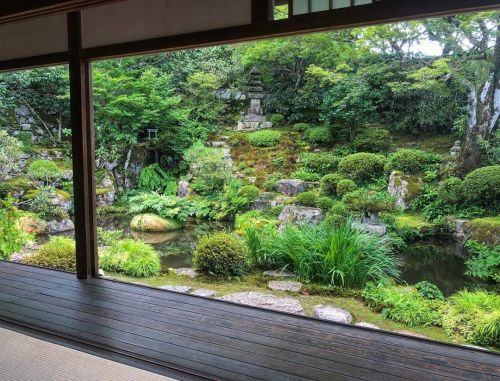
(450, 190)
(301, 127)
(429, 291)
(410, 160)
(304, 175)
(59, 253)
(362, 166)
(276, 119)
(318, 136)
(474, 317)
(345, 186)
(373, 140)
(133, 258)
(250, 192)
(321, 163)
(306, 199)
(324, 202)
(482, 186)
(329, 184)
(366, 201)
(264, 138)
(221, 255)
(44, 170)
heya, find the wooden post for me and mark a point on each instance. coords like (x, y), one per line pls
(82, 127)
(261, 11)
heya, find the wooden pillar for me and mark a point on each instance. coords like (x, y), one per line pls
(82, 127)
(261, 11)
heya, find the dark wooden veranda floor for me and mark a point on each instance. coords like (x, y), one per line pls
(218, 340)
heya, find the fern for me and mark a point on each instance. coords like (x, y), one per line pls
(154, 179)
(165, 206)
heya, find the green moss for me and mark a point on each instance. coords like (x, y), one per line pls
(152, 223)
(485, 230)
(413, 221)
(101, 191)
(65, 195)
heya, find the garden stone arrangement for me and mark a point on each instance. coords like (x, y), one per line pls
(350, 183)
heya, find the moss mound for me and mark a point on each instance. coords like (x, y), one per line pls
(154, 224)
(59, 253)
(485, 230)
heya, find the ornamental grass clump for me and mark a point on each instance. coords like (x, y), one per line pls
(59, 254)
(221, 255)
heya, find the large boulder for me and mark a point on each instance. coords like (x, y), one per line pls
(300, 215)
(153, 223)
(372, 226)
(55, 227)
(105, 197)
(268, 301)
(291, 187)
(32, 224)
(183, 189)
(282, 285)
(331, 313)
(404, 188)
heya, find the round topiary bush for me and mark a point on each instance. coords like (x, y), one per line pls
(324, 203)
(368, 202)
(250, 192)
(362, 166)
(410, 160)
(221, 255)
(59, 253)
(264, 138)
(482, 186)
(329, 184)
(44, 170)
(450, 190)
(153, 223)
(301, 127)
(345, 186)
(373, 140)
(321, 163)
(306, 199)
(318, 136)
(276, 119)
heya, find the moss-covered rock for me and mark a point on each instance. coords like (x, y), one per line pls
(485, 230)
(32, 224)
(153, 223)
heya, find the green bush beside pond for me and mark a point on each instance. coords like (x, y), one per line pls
(482, 186)
(59, 253)
(362, 166)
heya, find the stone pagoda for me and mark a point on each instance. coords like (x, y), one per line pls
(254, 119)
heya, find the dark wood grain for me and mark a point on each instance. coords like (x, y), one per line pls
(220, 340)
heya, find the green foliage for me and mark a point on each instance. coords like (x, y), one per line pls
(59, 253)
(253, 219)
(373, 140)
(264, 138)
(450, 190)
(10, 150)
(474, 317)
(482, 186)
(276, 119)
(234, 201)
(484, 262)
(133, 258)
(154, 179)
(329, 184)
(410, 160)
(320, 136)
(300, 174)
(107, 236)
(338, 256)
(429, 291)
(5, 189)
(271, 180)
(306, 199)
(250, 192)
(321, 163)
(362, 166)
(367, 201)
(345, 186)
(324, 203)
(221, 255)
(41, 204)
(403, 304)
(165, 206)
(301, 127)
(44, 170)
(12, 237)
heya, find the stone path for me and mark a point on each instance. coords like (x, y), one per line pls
(186, 271)
(278, 274)
(182, 289)
(282, 285)
(261, 300)
(367, 325)
(331, 313)
(204, 292)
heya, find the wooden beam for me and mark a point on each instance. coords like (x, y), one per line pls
(364, 15)
(32, 62)
(82, 128)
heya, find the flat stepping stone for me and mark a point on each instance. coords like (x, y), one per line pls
(182, 289)
(412, 334)
(267, 301)
(331, 313)
(282, 285)
(140, 284)
(205, 292)
(186, 271)
(367, 325)
(278, 274)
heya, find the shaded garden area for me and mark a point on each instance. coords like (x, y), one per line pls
(350, 175)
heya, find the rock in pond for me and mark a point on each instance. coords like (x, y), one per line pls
(268, 301)
(280, 285)
(54, 226)
(206, 293)
(182, 289)
(278, 274)
(186, 271)
(331, 313)
(291, 187)
(367, 325)
(153, 223)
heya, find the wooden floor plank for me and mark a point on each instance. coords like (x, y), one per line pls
(216, 339)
